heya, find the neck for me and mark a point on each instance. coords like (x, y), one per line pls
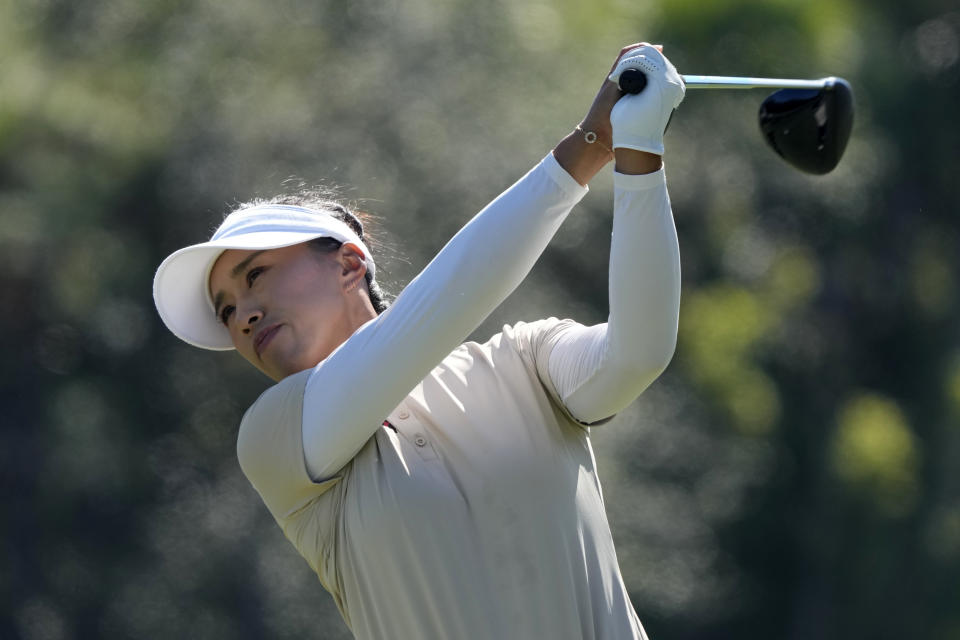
(359, 310)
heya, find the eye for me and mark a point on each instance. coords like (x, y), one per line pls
(253, 274)
(225, 314)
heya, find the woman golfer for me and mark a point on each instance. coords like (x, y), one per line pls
(443, 489)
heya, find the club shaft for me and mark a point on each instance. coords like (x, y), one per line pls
(732, 82)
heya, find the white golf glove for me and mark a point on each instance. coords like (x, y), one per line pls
(639, 120)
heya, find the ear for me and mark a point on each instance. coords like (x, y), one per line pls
(354, 265)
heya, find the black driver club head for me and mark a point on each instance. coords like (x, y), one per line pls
(809, 128)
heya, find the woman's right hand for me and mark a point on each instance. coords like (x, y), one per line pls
(583, 158)
(598, 117)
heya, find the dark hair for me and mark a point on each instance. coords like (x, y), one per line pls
(321, 199)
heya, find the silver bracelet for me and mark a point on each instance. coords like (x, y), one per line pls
(590, 137)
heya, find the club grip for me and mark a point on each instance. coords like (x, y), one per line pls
(632, 81)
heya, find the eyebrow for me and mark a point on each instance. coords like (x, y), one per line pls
(237, 270)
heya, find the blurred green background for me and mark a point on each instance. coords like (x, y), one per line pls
(792, 474)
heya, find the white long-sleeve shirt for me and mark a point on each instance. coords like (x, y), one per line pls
(475, 512)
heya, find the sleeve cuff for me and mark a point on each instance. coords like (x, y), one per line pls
(641, 182)
(562, 178)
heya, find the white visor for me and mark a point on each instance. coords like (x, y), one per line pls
(181, 289)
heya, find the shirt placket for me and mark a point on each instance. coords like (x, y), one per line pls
(412, 431)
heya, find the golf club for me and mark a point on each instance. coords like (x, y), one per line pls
(806, 122)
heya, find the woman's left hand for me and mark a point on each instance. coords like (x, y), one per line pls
(598, 117)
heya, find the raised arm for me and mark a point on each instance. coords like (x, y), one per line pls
(599, 370)
(473, 273)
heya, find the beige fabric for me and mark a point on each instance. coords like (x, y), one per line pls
(480, 517)
(473, 273)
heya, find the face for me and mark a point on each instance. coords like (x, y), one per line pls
(288, 308)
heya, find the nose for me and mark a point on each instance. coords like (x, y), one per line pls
(249, 317)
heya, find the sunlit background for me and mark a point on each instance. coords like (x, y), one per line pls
(792, 475)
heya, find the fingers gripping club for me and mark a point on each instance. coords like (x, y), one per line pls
(639, 119)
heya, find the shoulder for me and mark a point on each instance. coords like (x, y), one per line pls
(277, 411)
(270, 449)
(534, 337)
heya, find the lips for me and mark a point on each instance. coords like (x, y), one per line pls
(264, 336)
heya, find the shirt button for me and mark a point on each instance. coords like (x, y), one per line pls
(420, 440)
(403, 414)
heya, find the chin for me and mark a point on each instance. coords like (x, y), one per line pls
(273, 369)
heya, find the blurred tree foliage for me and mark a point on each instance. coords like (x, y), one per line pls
(792, 475)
